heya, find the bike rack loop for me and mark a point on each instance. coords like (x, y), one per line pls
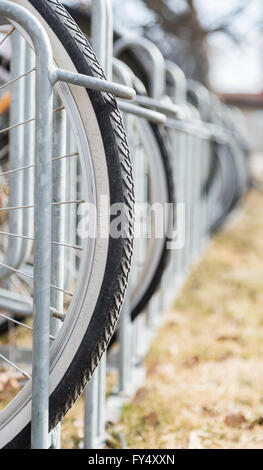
(125, 76)
(203, 104)
(156, 74)
(188, 118)
(201, 94)
(179, 85)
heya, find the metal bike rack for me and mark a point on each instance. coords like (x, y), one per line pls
(156, 74)
(190, 130)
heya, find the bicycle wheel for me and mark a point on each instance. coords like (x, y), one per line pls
(93, 305)
(150, 255)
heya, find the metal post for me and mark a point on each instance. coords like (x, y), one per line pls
(91, 408)
(58, 222)
(42, 247)
(42, 225)
(125, 346)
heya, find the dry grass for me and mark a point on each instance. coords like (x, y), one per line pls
(73, 426)
(204, 385)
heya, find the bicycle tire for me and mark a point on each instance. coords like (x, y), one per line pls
(139, 306)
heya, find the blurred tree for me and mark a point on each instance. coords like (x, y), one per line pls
(182, 36)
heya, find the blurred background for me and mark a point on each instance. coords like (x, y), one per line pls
(218, 43)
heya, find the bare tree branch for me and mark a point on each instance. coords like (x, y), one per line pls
(189, 28)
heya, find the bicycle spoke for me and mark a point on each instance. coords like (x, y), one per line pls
(17, 78)
(15, 367)
(30, 206)
(2, 131)
(24, 237)
(7, 35)
(29, 276)
(21, 324)
(26, 121)
(26, 167)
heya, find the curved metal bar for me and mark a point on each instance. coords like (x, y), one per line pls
(202, 96)
(125, 74)
(190, 120)
(179, 84)
(122, 72)
(157, 63)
